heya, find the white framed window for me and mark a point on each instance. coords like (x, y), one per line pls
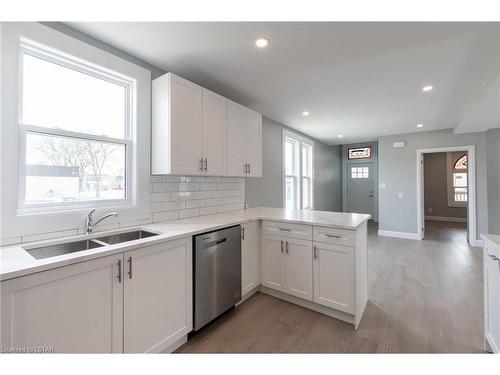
(49, 114)
(298, 181)
(457, 179)
(360, 172)
(75, 133)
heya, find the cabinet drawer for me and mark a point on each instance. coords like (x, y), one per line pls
(334, 236)
(287, 230)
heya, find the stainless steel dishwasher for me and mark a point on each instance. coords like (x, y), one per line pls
(217, 274)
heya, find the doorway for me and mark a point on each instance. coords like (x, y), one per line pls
(360, 188)
(450, 194)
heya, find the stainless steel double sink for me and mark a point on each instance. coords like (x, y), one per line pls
(49, 251)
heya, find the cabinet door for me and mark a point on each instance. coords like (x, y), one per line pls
(334, 276)
(236, 152)
(157, 296)
(73, 309)
(273, 272)
(186, 126)
(253, 135)
(492, 301)
(250, 257)
(298, 266)
(214, 133)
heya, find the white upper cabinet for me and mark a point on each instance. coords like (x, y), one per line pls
(236, 147)
(198, 132)
(253, 139)
(177, 126)
(214, 133)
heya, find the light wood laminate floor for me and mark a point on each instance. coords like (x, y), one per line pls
(424, 297)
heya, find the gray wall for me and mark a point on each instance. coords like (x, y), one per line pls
(345, 164)
(493, 163)
(268, 190)
(436, 186)
(397, 169)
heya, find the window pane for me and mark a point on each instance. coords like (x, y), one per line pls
(306, 193)
(460, 194)
(58, 97)
(359, 153)
(62, 169)
(460, 179)
(290, 192)
(289, 158)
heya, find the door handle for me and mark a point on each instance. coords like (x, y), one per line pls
(493, 257)
(206, 164)
(119, 277)
(129, 267)
(370, 194)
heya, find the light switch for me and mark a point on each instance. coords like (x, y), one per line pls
(400, 195)
(382, 185)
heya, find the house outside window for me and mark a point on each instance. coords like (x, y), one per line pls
(298, 154)
(457, 179)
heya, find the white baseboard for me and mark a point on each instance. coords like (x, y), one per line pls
(477, 243)
(445, 218)
(405, 235)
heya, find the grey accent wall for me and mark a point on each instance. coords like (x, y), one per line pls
(398, 169)
(268, 189)
(65, 29)
(345, 164)
(493, 163)
(436, 187)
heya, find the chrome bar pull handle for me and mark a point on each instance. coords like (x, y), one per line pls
(249, 168)
(129, 267)
(315, 252)
(333, 235)
(206, 164)
(243, 233)
(281, 246)
(201, 164)
(119, 277)
(286, 248)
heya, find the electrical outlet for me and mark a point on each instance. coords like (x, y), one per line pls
(400, 195)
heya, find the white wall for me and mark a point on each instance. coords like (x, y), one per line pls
(493, 162)
(397, 169)
(268, 189)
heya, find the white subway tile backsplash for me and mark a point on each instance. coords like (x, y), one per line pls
(171, 198)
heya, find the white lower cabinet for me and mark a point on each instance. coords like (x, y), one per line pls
(157, 296)
(250, 257)
(334, 276)
(133, 302)
(287, 265)
(72, 309)
(491, 270)
(298, 268)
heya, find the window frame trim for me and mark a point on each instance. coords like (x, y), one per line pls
(450, 189)
(300, 140)
(35, 49)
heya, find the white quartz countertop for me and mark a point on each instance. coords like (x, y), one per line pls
(494, 239)
(16, 262)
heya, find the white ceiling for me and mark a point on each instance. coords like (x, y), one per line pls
(362, 80)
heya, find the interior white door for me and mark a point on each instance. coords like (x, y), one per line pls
(253, 135)
(186, 108)
(334, 276)
(298, 268)
(214, 133)
(236, 145)
(273, 264)
(360, 189)
(157, 296)
(250, 257)
(72, 309)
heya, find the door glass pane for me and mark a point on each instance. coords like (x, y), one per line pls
(60, 169)
(460, 179)
(58, 97)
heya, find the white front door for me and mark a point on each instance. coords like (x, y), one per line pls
(360, 189)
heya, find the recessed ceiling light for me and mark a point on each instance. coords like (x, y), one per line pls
(305, 113)
(427, 88)
(261, 42)
(420, 125)
(341, 135)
